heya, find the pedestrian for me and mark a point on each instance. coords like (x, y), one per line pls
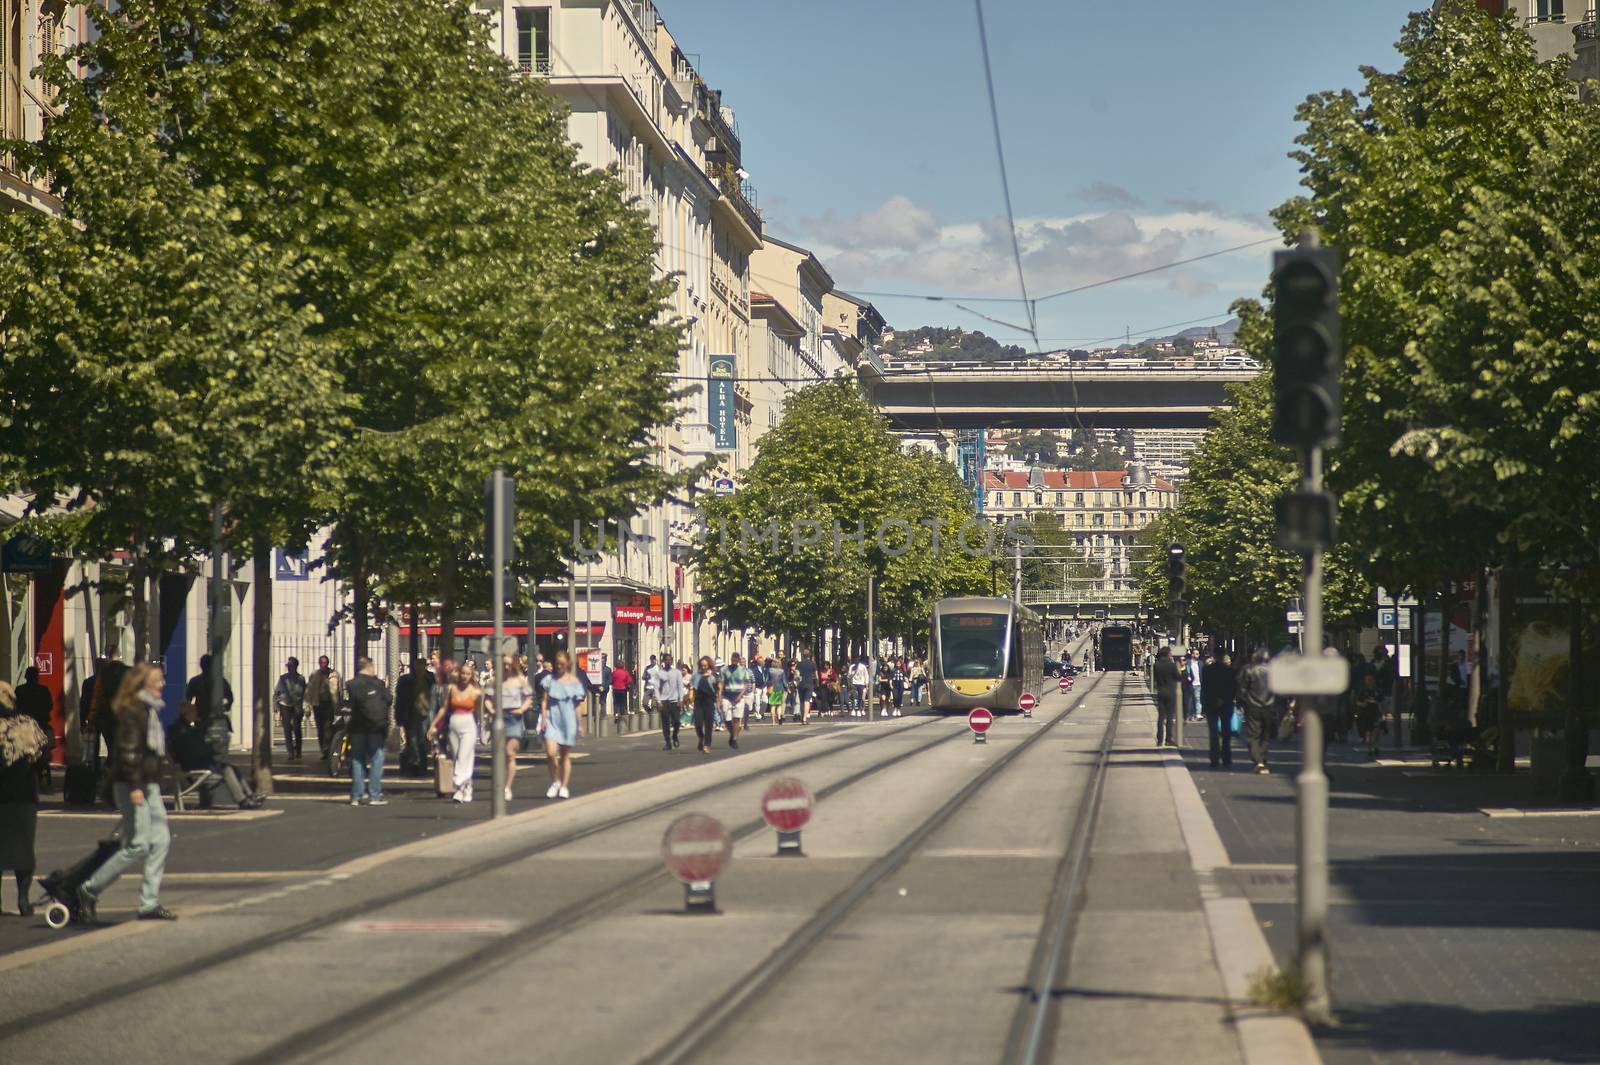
(211, 692)
(1218, 687)
(137, 756)
(23, 745)
(806, 684)
(885, 685)
(669, 699)
(827, 688)
(561, 721)
(188, 746)
(1255, 697)
(460, 705)
(648, 687)
(1168, 678)
(369, 730)
(757, 694)
(860, 678)
(34, 700)
(732, 684)
(621, 682)
(1188, 686)
(1369, 713)
(324, 694)
(289, 699)
(412, 707)
(919, 679)
(1387, 674)
(897, 683)
(516, 699)
(705, 704)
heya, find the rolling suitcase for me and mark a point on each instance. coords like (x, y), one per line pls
(82, 787)
(444, 770)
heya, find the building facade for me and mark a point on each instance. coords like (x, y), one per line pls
(1101, 510)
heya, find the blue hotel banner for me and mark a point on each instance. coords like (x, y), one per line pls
(720, 402)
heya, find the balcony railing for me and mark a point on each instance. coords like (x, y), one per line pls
(708, 105)
(540, 65)
(1587, 31)
(741, 194)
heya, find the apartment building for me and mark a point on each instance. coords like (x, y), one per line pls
(30, 30)
(1102, 510)
(638, 105)
(1558, 27)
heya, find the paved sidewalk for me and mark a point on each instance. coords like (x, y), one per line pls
(1159, 970)
(1455, 937)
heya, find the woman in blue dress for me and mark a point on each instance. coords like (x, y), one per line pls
(561, 721)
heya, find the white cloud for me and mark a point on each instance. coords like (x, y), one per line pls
(899, 223)
(902, 244)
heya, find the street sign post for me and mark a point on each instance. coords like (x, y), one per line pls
(696, 849)
(1026, 702)
(786, 806)
(500, 520)
(1296, 674)
(979, 721)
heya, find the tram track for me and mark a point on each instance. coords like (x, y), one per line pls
(328, 1036)
(764, 979)
(162, 978)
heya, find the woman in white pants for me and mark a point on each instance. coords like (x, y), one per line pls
(461, 706)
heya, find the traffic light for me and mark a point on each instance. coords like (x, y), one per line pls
(1307, 345)
(1176, 585)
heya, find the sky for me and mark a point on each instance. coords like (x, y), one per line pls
(1135, 134)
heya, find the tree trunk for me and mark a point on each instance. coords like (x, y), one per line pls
(1576, 784)
(138, 590)
(359, 603)
(447, 609)
(261, 652)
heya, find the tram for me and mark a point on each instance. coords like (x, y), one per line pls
(1116, 648)
(984, 652)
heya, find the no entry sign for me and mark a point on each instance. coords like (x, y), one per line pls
(786, 804)
(696, 848)
(1065, 683)
(980, 720)
(1026, 702)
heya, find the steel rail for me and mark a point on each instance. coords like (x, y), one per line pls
(708, 1023)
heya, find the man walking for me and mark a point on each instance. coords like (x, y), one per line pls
(324, 694)
(289, 699)
(1218, 688)
(807, 674)
(1168, 678)
(33, 700)
(412, 696)
(860, 678)
(1255, 696)
(369, 728)
(669, 695)
(621, 681)
(732, 684)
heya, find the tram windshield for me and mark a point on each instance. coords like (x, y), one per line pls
(972, 645)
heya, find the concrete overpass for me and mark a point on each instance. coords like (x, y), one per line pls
(1033, 396)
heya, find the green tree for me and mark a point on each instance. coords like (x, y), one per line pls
(790, 552)
(1469, 300)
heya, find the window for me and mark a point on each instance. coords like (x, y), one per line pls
(1116, 518)
(1059, 497)
(1077, 499)
(1098, 499)
(999, 499)
(1038, 498)
(1550, 11)
(1142, 501)
(533, 39)
(1099, 521)
(1078, 521)
(1016, 499)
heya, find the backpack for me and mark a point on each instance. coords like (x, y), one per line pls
(369, 708)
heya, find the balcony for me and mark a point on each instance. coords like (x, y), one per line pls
(724, 146)
(540, 65)
(742, 194)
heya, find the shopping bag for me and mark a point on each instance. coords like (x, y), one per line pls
(1236, 725)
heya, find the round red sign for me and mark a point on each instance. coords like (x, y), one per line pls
(980, 720)
(786, 804)
(1064, 683)
(696, 848)
(1026, 701)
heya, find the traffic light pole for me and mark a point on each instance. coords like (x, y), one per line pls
(1311, 787)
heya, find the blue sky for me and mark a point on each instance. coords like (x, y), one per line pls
(1136, 135)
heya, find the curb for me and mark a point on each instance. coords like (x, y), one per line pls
(1266, 1037)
